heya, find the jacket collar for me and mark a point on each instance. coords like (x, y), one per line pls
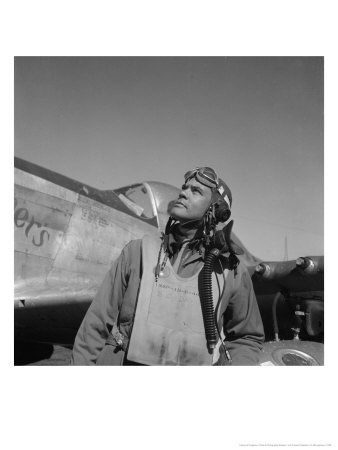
(176, 239)
(194, 250)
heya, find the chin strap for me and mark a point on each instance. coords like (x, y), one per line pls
(209, 226)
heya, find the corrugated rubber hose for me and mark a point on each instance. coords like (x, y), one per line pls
(207, 299)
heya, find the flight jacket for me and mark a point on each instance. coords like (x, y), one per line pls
(113, 308)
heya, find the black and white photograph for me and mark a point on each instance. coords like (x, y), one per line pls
(165, 284)
(181, 198)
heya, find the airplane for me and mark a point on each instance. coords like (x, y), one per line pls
(67, 234)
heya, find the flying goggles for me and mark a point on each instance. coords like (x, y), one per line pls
(208, 177)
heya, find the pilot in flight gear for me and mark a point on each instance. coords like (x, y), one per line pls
(184, 300)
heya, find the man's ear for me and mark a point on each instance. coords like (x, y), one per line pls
(222, 212)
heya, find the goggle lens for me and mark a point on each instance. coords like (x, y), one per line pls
(205, 172)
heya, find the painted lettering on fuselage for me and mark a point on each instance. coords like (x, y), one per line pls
(24, 219)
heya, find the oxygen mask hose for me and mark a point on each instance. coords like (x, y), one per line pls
(222, 243)
(207, 299)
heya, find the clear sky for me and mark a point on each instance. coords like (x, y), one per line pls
(257, 121)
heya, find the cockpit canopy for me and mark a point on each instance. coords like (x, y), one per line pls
(148, 200)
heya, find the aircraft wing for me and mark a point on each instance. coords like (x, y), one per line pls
(51, 312)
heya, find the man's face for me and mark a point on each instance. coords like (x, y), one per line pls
(193, 201)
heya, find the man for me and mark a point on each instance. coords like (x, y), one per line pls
(187, 300)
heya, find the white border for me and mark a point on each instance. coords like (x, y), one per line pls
(173, 407)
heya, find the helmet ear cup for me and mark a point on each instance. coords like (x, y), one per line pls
(222, 212)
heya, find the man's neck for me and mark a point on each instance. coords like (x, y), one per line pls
(186, 231)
